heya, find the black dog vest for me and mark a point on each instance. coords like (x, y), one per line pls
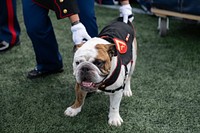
(122, 35)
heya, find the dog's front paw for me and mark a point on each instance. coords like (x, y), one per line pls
(115, 119)
(72, 112)
(128, 93)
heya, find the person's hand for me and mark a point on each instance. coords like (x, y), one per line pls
(126, 13)
(79, 33)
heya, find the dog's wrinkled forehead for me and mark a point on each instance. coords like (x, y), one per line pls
(88, 51)
(85, 54)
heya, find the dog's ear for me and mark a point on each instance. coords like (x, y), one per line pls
(77, 47)
(112, 51)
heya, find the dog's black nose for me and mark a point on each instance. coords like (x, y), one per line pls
(85, 73)
(85, 69)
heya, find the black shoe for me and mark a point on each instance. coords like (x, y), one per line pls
(4, 46)
(37, 74)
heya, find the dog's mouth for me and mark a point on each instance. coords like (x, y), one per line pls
(88, 84)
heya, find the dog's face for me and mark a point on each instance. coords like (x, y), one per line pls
(92, 63)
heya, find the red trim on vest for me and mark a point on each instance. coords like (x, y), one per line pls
(40, 4)
(10, 10)
(62, 16)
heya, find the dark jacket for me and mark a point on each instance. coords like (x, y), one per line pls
(62, 8)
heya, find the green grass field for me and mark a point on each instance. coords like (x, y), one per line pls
(165, 85)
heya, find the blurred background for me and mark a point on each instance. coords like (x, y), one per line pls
(165, 83)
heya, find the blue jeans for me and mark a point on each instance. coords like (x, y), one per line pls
(41, 32)
(9, 26)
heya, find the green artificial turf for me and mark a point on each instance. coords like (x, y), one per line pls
(165, 84)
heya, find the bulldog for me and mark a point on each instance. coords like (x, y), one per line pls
(105, 63)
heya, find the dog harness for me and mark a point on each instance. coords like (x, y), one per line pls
(122, 35)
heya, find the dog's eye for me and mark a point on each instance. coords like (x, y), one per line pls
(99, 63)
(77, 62)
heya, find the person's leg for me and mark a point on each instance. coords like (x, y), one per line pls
(41, 33)
(9, 26)
(87, 16)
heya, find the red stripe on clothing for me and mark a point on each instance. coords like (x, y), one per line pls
(11, 21)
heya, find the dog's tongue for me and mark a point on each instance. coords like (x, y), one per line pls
(87, 84)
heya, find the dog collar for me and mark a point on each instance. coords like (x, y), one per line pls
(112, 79)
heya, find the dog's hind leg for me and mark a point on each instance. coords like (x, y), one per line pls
(76, 107)
(127, 89)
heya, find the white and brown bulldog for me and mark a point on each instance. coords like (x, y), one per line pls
(105, 63)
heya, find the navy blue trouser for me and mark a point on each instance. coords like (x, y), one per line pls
(41, 33)
(9, 26)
